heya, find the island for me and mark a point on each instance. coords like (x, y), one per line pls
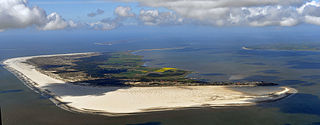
(117, 83)
(303, 46)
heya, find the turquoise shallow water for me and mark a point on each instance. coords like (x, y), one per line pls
(215, 62)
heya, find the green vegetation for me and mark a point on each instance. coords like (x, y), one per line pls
(166, 69)
(116, 69)
(121, 68)
(130, 67)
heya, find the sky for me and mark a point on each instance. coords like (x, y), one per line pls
(106, 15)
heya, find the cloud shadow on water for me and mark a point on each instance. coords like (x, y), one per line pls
(10, 91)
(303, 65)
(296, 82)
(256, 63)
(313, 77)
(271, 71)
(261, 78)
(213, 74)
(147, 123)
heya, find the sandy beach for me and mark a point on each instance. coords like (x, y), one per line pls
(129, 100)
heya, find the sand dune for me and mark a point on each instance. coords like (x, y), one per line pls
(126, 100)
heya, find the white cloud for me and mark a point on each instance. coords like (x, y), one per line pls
(51, 2)
(209, 4)
(270, 15)
(154, 17)
(124, 11)
(54, 22)
(312, 20)
(145, 17)
(288, 22)
(302, 8)
(238, 12)
(18, 14)
(73, 24)
(310, 11)
(121, 14)
(105, 24)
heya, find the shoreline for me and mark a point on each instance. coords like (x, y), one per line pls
(159, 49)
(63, 101)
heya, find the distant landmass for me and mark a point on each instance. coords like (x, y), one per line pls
(109, 43)
(309, 46)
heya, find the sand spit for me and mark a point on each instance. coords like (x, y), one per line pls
(114, 101)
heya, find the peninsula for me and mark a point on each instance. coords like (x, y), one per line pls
(117, 83)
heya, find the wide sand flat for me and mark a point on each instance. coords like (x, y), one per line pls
(124, 100)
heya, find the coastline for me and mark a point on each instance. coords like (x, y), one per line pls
(131, 100)
(159, 49)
